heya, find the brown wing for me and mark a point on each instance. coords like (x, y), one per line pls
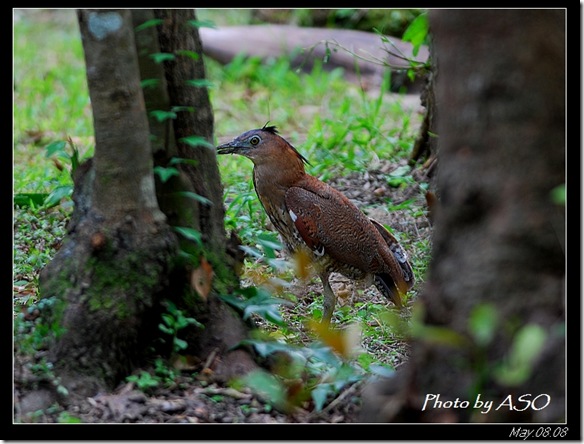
(306, 215)
(329, 223)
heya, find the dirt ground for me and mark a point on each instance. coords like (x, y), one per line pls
(196, 400)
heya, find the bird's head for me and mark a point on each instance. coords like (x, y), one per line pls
(262, 145)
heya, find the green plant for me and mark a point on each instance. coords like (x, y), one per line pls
(43, 370)
(63, 188)
(256, 301)
(67, 418)
(31, 330)
(37, 236)
(401, 176)
(517, 365)
(144, 380)
(417, 33)
(299, 375)
(265, 251)
(163, 374)
(173, 322)
(339, 127)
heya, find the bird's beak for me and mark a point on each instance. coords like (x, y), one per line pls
(229, 148)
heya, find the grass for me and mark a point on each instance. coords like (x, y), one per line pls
(51, 100)
(341, 129)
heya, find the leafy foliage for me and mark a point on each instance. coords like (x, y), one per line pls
(417, 32)
(160, 375)
(258, 301)
(527, 344)
(56, 150)
(300, 374)
(173, 322)
(165, 173)
(190, 234)
(341, 129)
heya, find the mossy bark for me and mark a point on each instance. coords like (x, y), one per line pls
(109, 276)
(108, 283)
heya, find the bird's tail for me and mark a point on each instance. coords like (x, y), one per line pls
(394, 287)
(387, 287)
(398, 253)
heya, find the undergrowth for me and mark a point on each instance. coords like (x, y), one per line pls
(338, 127)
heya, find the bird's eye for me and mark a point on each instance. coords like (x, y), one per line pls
(254, 140)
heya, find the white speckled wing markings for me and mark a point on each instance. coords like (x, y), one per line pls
(398, 252)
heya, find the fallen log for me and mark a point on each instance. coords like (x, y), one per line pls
(365, 57)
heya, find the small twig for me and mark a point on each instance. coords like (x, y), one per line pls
(228, 391)
(210, 358)
(401, 55)
(372, 58)
(331, 405)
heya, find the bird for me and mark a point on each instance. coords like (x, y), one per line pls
(315, 219)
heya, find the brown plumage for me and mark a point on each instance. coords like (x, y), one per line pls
(313, 217)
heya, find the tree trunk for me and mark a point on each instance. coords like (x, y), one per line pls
(109, 284)
(493, 309)
(109, 275)
(187, 90)
(426, 145)
(191, 141)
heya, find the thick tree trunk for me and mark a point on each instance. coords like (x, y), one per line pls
(107, 280)
(155, 88)
(495, 292)
(185, 93)
(108, 284)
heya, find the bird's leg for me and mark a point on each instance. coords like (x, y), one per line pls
(329, 298)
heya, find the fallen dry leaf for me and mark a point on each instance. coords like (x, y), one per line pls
(202, 278)
(345, 342)
(302, 265)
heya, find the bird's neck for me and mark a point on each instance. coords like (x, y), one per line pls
(274, 178)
